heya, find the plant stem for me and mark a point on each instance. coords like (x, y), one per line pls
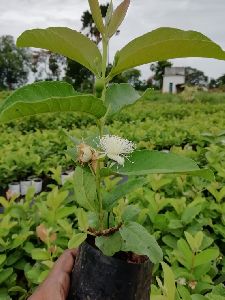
(101, 124)
(104, 56)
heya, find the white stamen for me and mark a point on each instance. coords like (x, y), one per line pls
(116, 147)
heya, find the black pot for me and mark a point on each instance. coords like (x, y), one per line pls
(99, 277)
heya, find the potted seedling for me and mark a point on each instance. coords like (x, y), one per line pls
(116, 253)
(37, 183)
(66, 176)
(14, 188)
(24, 186)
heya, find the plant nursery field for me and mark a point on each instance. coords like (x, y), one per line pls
(186, 214)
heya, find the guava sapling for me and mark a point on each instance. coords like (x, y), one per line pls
(106, 219)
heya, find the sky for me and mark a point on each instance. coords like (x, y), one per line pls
(206, 16)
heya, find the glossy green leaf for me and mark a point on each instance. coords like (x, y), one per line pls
(117, 17)
(130, 213)
(97, 15)
(183, 292)
(64, 41)
(184, 254)
(18, 289)
(48, 97)
(162, 44)
(121, 95)
(85, 188)
(2, 258)
(82, 219)
(4, 202)
(4, 274)
(40, 254)
(149, 162)
(121, 190)
(109, 245)
(206, 256)
(109, 13)
(190, 213)
(76, 240)
(138, 240)
(169, 281)
(194, 241)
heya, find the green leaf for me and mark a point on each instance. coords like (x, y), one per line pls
(169, 281)
(183, 292)
(130, 213)
(109, 245)
(162, 44)
(109, 13)
(138, 240)
(2, 258)
(194, 241)
(18, 289)
(200, 297)
(82, 219)
(121, 190)
(19, 239)
(117, 17)
(97, 15)
(66, 42)
(64, 212)
(42, 276)
(76, 240)
(121, 95)
(206, 256)
(46, 97)
(40, 254)
(4, 202)
(14, 257)
(190, 213)
(85, 188)
(149, 162)
(4, 274)
(184, 255)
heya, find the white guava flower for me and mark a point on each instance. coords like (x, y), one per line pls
(116, 148)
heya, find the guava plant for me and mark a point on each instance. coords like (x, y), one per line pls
(101, 160)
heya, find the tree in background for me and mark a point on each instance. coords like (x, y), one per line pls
(46, 65)
(221, 81)
(79, 76)
(195, 77)
(159, 69)
(213, 84)
(14, 64)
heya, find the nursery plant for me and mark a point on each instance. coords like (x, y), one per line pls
(116, 253)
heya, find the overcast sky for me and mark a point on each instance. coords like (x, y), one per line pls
(206, 16)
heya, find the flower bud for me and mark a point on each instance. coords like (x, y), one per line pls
(85, 153)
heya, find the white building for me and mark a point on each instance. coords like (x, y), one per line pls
(173, 78)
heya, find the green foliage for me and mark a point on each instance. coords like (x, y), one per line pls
(137, 239)
(135, 216)
(36, 231)
(45, 97)
(53, 37)
(162, 44)
(117, 18)
(85, 188)
(109, 245)
(119, 96)
(150, 162)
